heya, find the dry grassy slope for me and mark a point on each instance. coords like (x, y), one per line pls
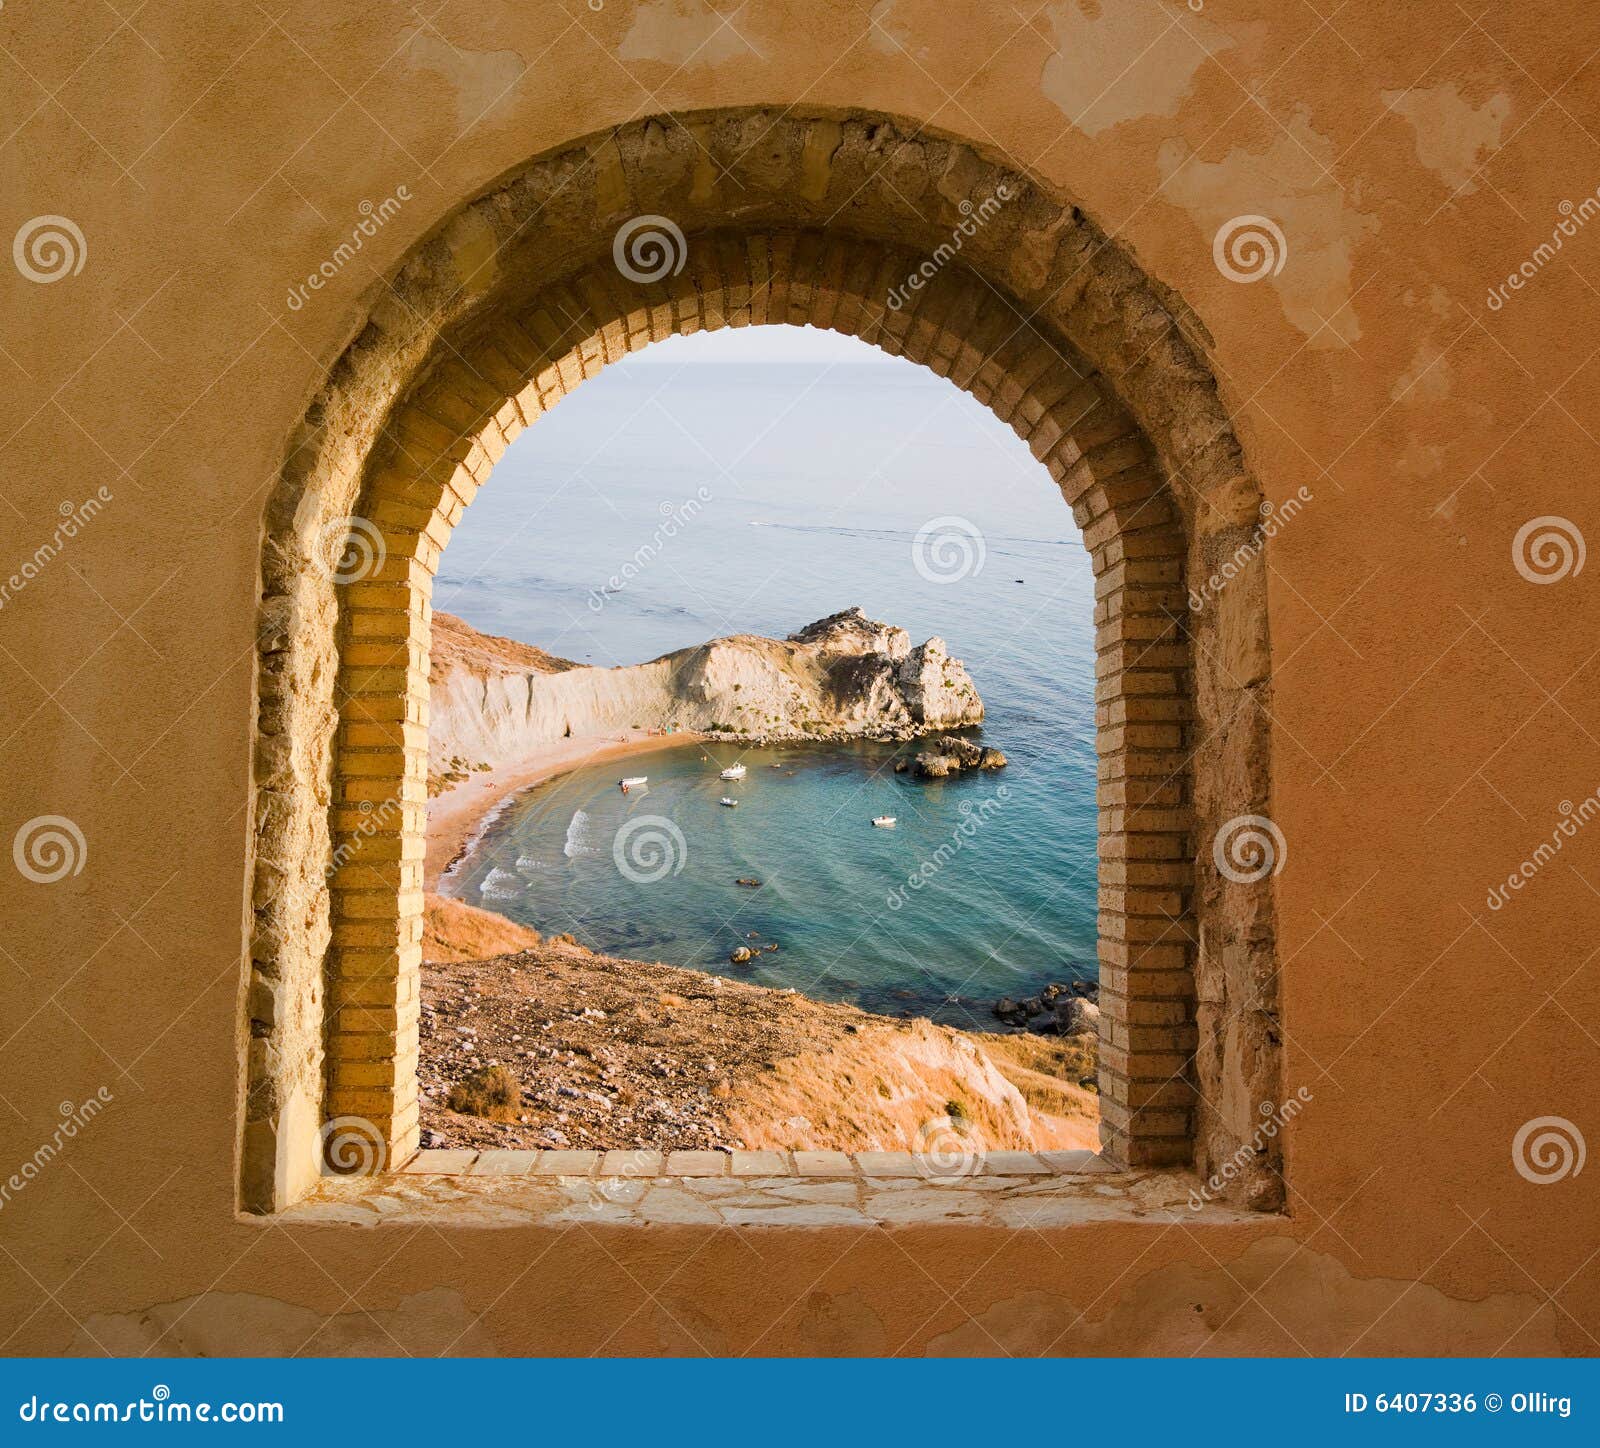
(457, 645)
(620, 1053)
(452, 931)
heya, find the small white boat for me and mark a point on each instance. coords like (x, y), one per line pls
(733, 771)
(634, 779)
(883, 822)
(730, 803)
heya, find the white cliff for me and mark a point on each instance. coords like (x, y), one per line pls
(495, 702)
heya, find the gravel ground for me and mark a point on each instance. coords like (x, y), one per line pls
(611, 1053)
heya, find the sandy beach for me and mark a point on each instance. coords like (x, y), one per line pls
(456, 815)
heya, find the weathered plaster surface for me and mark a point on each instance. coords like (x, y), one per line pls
(1453, 136)
(1114, 63)
(1430, 708)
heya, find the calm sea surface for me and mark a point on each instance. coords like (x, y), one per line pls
(770, 493)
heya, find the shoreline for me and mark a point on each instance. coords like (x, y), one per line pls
(459, 817)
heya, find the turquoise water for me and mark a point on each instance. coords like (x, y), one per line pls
(812, 479)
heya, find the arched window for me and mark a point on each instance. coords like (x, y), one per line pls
(632, 237)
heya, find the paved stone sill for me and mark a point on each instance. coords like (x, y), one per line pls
(647, 1164)
(751, 1189)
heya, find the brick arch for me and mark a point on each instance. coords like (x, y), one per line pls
(1036, 316)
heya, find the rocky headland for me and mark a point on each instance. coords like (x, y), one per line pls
(495, 702)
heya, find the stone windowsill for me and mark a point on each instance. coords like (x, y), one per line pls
(746, 1189)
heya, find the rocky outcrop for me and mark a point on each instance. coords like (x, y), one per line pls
(844, 677)
(1058, 1010)
(945, 757)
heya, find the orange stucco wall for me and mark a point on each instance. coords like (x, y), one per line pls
(1433, 702)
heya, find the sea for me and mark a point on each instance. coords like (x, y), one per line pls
(750, 483)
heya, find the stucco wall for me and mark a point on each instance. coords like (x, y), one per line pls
(1433, 704)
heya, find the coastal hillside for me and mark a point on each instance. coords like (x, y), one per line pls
(495, 702)
(551, 1045)
(459, 648)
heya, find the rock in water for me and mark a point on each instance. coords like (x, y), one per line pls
(1058, 1010)
(951, 755)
